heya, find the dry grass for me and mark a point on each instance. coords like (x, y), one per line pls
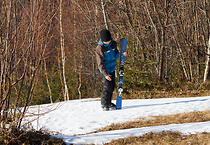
(19, 137)
(179, 93)
(164, 138)
(185, 90)
(200, 116)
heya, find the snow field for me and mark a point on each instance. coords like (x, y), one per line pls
(85, 115)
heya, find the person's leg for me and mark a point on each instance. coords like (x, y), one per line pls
(112, 87)
(112, 105)
(108, 89)
(105, 96)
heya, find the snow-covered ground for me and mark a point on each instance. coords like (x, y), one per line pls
(85, 115)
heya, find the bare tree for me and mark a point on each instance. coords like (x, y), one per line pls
(21, 54)
(103, 4)
(207, 69)
(66, 93)
(159, 25)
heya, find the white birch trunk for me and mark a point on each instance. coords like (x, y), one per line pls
(104, 14)
(66, 94)
(206, 74)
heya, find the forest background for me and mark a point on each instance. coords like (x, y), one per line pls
(47, 49)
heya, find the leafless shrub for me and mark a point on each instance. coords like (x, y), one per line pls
(25, 33)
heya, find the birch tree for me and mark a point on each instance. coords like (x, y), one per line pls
(66, 94)
(104, 13)
(207, 70)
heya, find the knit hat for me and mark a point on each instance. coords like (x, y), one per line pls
(105, 35)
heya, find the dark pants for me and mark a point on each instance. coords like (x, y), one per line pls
(108, 90)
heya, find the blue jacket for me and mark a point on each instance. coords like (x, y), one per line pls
(106, 56)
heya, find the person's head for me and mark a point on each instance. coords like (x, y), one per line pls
(105, 36)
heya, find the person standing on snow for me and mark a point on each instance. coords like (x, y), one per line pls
(106, 55)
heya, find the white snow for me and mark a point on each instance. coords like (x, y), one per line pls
(85, 115)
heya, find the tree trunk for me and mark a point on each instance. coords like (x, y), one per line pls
(162, 55)
(48, 84)
(66, 94)
(207, 70)
(104, 13)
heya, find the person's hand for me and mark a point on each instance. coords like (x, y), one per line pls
(108, 77)
(125, 53)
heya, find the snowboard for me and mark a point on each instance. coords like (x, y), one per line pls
(123, 44)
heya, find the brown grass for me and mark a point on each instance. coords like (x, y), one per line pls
(200, 116)
(18, 137)
(179, 93)
(184, 90)
(164, 138)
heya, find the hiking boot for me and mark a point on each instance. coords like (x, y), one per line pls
(112, 106)
(105, 107)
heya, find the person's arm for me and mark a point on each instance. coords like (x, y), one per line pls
(117, 53)
(100, 60)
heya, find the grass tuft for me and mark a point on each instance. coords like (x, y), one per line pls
(200, 116)
(165, 138)
(19, 137)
